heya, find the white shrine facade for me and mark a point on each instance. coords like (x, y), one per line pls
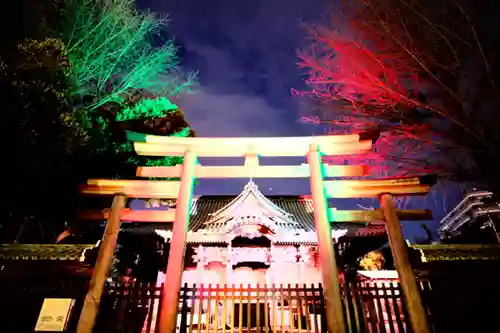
(252, 239)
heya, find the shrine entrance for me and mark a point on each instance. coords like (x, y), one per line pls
(322, 189)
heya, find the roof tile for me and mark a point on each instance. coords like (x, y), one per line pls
(301, 208)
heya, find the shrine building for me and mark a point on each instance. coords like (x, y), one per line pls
(258, 240)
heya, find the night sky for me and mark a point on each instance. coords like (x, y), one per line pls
(245, 52)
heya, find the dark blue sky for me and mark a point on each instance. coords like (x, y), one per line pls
(245, 52)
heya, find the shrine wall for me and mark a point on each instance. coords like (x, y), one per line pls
(287, 265)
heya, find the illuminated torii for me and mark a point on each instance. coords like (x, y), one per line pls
(251, 148)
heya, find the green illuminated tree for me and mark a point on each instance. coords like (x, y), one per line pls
(110, 154)
(66, 108)
(122, 80)
(112, 51)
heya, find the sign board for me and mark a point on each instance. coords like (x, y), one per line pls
(54, 315)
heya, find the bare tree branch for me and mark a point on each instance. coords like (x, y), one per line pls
(423, 72)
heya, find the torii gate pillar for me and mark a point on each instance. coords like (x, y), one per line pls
(416, 312)
(330, 276)
(107, 248)
(175, 266)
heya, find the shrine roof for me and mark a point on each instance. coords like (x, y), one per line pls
(453, 252)
(300, 208)
(69, 252)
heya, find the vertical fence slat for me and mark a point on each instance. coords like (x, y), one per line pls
(307, 312)
(151, 293)
(323, 309)
(314, 308)
(282, 307)
(299, 307)
(192, 311)
(396, 301)
(290, 308)
(233, 307)
(224, 310)
(347, 308)
(380, 313)
(389, 308)
(266, 311)
(183, 298)
(368, 308)
(200, 309)
(240, 312)
(425, 291)
(403, 307)
(217, 308)
(275, 315)
(257, 301)
(357, 305)
(208, 315)
(249, 303)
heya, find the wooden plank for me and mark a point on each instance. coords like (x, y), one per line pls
(373, 192)
(246, 141)
(132, 188)
(129, 215)
(222, 149)
(363, 216)
(271, 171)
(374, 188)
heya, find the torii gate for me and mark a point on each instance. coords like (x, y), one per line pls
(251, 148)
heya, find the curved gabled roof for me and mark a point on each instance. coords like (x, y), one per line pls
(251, 205)
(205, 207)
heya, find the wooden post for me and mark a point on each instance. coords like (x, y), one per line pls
(102, 266)
(331, 286)
(175, 266)
(416, 312)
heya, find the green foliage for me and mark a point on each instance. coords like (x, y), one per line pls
(121, 80)
(112, 155)
(38, 131)
(147, 108)
(67, 101)
(36, 93)
(28, 19)
(110, 46)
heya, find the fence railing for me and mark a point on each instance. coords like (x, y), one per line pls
(368, 307)
(129, 308)
(245, 308)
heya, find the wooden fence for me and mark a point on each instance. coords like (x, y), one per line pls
(378, 306)
(369, 307)
(131, 308)
(252, 308)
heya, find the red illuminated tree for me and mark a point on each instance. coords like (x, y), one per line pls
(424, 72)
